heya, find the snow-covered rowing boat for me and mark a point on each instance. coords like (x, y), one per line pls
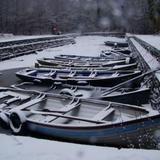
(105, 53)
(136, 96)
(85, 64)
(129, 66)
(94, 78)
(112, 56)
(86, 121)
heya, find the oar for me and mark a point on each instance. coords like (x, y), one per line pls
(128, 81)
(67, 116)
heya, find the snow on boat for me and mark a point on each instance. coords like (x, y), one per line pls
(123, 50)
(105, 53)
(10, 98)
(86, 121)
(85, 64)
(111, 56)
(72, 63)
(136, 96)
(129, 66)
(94, 78)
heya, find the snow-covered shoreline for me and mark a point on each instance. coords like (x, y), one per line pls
(153, 40)
(29, 148)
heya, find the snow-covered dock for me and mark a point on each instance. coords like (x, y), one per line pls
(152, 40)
(15, 47)
(147, 49)
(148, 58)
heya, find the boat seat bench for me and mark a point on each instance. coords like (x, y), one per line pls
(72, 74)
(69, 107)
(51, 74)
(65, 109)
(13, 94)
(32, 72)
(12, 100)
(93, 75)
(102, 114)
(97, 118)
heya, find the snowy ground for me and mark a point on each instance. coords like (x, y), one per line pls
(29, 148)
(153, 40)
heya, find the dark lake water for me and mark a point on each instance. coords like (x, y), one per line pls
(8, 77)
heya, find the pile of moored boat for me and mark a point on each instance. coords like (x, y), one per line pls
(97, 100)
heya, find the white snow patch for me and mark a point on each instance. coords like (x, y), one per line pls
(27, 148)
(153, 40)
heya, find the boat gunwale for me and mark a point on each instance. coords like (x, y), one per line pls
(100, 126)
(22, 74)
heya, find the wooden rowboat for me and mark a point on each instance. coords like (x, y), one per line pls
(111, 56)
(123, 50)
(94, 78)
(136, 96)
(105, 53)
(85, 64)
(86, 121)
(129, 66)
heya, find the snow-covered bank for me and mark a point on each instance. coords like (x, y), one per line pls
(29, 148)
(153, 40)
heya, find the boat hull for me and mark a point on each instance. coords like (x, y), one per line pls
(135, 97)
(104, 82)
(135, 134)
(116, 67)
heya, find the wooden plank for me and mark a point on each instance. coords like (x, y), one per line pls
(101, 115)
(69, 107)
(29, 104)
(93, 74)
(14, 94)
(14, 99)
(2, 95)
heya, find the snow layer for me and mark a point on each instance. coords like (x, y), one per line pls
(153, 40)
(29, 148)
(150, 60)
